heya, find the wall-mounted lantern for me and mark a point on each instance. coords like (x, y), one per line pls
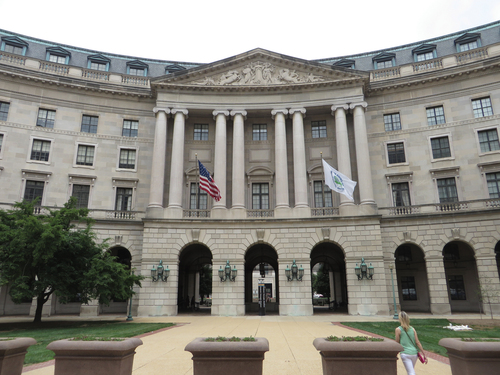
(364, 271)
(296, 273)
(160, 273)
(227, 273)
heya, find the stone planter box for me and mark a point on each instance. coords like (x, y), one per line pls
(12, 353)
(94, 357)
(358, 357)
(469, 357)
(242, 358)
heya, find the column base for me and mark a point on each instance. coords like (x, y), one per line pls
(368, 208)
(237, 213)
(173, 213)
(282, 212)
(440, 308)
(218, 213)
(89, 311)
(348, 209)
(154, 212)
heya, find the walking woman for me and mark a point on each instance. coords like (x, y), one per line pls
(407, 337)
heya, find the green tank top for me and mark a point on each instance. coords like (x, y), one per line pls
(406, 339)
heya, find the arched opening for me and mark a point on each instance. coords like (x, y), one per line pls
(497, 257)
(261, 263)
(124, 257)
(461, 277)
(328, 279)
(411, 275)
(195, 279)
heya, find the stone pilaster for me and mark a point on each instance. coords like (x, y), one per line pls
(438, 290)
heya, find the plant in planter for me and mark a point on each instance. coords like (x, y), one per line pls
(93, 355)
(360, 354)
(216, 355)
(12, 353)
(472, 356)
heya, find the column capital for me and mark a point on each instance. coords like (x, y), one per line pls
(274, 112)
(158, 109)
(358, 104)
(181, 110)
(301, 110)
(337, 106)
(242, 112)
(220, 112)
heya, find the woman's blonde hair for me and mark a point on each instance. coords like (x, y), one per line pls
(404, 319)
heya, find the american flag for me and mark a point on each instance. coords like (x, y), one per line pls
(207, 183)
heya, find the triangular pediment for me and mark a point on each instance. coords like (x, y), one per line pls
(260, 68)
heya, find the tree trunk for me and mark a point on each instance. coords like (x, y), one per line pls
(40, 301)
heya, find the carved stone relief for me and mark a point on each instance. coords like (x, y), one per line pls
(259, 73)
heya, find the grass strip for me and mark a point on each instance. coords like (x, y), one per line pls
(45, 333)
(429, 331)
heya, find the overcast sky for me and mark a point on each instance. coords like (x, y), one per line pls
(206, 31)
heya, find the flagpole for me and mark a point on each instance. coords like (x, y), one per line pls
(197, 183)
(324, 181)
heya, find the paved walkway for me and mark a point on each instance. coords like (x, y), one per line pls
(290, 342)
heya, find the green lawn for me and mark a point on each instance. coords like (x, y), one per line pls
(429, 331)
(46, 332)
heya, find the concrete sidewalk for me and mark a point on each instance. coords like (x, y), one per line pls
(290, 342)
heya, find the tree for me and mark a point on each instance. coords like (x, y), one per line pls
(206, 281)
(58, 253)
(321, 281)
(488, 293)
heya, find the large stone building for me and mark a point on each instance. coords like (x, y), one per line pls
(416, 126)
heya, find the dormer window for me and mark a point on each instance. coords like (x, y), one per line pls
(58, 55)
(173, 68)
(345, 63)
(468, 41)
(98, 62)
(424, 52)
(384, 60)
(14, 45)
(137, 68)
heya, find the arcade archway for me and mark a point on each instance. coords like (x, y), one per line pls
(124, 257)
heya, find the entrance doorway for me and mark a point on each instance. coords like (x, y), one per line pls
(261, 264)
(329, 284)
(118, 306)
(195, 280)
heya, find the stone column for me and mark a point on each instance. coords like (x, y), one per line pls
(299, 158)
(238, 159)
(158, 163)
(220, 163)
(343, 155)
(363, 155)
(436, 277)
(281, 163)
(177, 162)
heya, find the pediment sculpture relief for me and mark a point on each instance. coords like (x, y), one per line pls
(259, 73)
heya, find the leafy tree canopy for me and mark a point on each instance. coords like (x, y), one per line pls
(58, 253)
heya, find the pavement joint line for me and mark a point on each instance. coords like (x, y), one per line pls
(428, 354)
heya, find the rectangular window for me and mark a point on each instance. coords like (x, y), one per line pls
(322, 198)
(127, 159)
(488, 140)
(447, 190)
(493, 181)
(392, 122)
(130, 128)
(201, 132)
(260, 196)
(46, 118)
(57, 59)
(123, 199)
(482, 107)
(425, 56)
(198, 198)
(81, 193)
(34, 190)
(4, 110)
(136, 72)
(89, 124)
(396, 153)
(408, 288)
(384, 64)
(435, 115)
(468, 46)
(401, 194)
(98, 66)
(318, 129)
(440, 147)
(10, 48)
(40, 150)
(259, 132)
(85, 155)
(457, 287)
